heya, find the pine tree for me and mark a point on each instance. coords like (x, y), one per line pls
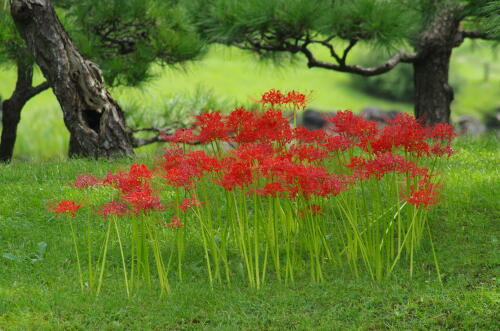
(421, 32)
(97, 44)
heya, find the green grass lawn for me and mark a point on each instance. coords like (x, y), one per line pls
(43, 294)
(235, 76)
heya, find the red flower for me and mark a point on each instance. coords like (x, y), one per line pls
(353, 126)
(142, 199)
(441, 150)
(190, 203)
(337, 143)
(237, 173)
(274, 189)
(65, 206)
(174, 223)
(312, 210)
(404, 131)
(309, 136)
(211, 126)
(273, 126)
(113, 208)
(273, 97)
(185, 136)
(384, 164)
(241, 125)
(298, 99)
(140, 171)
(85, 180)
(423, 195)
(172, 158)
(308, 153)
(255, 152)
(442, 131)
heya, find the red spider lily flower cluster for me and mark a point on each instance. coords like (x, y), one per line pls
(190, 203)
(273, 159)
(65, 207)
(85, 180)
(116, 208)
(175, 223)
(424, 194)
(275, 97)
(135, 190)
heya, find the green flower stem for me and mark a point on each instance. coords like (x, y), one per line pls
(77, 255)
(103, 262)
(122, 256)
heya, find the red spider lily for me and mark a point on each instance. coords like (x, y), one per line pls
(337, 143)
(353, 126)
(185, 136)
(308, 153)
(190, 203)
(305, 135)
(273, 189)
(114, 208)
(442, 131)
(313, 210)
(254, 152)
(276, 167)
(312, 180)
(273, 97)
(273, 126)
(174, 223)
(404, 131)
(85, 180)
(211, 127)
(384, 164)
(237, 173)
(142, 199)
(182, 176)
(140, 171)
(441, 150)
(172, 158)
(122, 181)
(424, 195)
(65, 206)
(296, 98)
(201, 162)
(241, 126)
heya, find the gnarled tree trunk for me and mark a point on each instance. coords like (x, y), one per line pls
(12, 107)
(95, 121)
(433, 93)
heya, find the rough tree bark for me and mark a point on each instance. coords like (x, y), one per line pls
(12, 107)
(433, 93)
(95, 121)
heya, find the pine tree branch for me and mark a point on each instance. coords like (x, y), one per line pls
(355, 69)
(37, 89)
(138, 142)
(476, 35)
(340, 65)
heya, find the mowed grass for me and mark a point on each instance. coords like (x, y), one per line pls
(43, 294)
(235, 76)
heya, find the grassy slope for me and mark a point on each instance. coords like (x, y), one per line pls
(236, 75)
(44, 294)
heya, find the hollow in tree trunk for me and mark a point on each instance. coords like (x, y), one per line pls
(95, 121)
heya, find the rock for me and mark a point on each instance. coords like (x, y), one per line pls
(492, 120)
(468, 124)
(382, 117)
(313, 119)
